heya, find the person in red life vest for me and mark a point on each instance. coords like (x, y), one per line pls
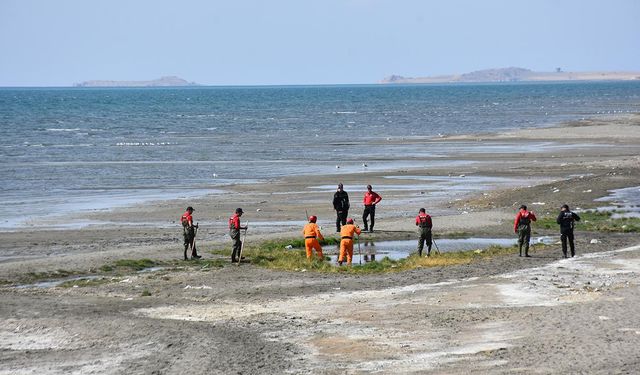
(424, 224)
(346, 241)
(189, 233)
(522, 226)
(312, 236)
(371, 199)
(234, 233)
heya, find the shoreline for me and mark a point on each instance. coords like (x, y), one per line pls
(499, 314)
(464, 156)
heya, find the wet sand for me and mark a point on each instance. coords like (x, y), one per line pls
(505, 314)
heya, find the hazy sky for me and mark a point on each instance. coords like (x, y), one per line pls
(243, 42)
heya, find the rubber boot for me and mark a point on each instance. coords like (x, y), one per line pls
(420, 253)
(194, 254)
(429, 251)
(185, 253)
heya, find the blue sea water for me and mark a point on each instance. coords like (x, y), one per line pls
(67, 149)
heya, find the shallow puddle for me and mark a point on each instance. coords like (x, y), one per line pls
(371, 251)
(55, 283)
(625, 202)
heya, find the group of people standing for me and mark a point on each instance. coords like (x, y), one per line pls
(341, 205)
(344, 224)
(348, 230)
(566, 219)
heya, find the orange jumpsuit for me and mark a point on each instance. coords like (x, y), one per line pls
(312, 234)
(346, 244)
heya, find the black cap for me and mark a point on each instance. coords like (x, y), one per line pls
(565, 206)
(190, 208)
(422, 210)
(239, 210)
(523, 207)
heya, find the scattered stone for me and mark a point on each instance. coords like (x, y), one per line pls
(594, 241)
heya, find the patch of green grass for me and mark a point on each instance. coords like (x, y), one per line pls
(33, 277)
(594, 221)
(106, 268)
(145, 293)
(276, 257)
(455, 235)
(212, 263)
(136, 264)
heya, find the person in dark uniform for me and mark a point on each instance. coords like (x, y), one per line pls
(424, 223)
(234, 233)
(341, 205)
(371, 199)
(522, 226)
(567, 220)
(189, 233)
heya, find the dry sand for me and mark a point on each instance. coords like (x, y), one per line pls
(502, 315)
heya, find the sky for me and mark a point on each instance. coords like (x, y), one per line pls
(290, 42)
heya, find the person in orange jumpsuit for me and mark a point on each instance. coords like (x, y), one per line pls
(346, 242)
(312, 234)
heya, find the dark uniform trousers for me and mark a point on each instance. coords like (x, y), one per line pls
(189, 234)
(341, 219)
(524, 236)
(564, 236)
(369, 211)
(425, 236)
(237, 244)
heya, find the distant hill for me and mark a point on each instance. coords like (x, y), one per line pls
(171, 81)
(514, 74)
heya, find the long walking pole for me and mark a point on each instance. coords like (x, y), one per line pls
(434, 242)
(244, 237)
(359, 253)
(193, 243)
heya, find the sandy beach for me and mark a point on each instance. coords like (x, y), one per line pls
(504, 314)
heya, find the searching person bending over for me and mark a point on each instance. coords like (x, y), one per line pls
(234, 233)
(371, 198)
(189, 233)
(341, 205)
(312, 234)
(567, 220)
(424, 223)
(346, 241)
(522, 226)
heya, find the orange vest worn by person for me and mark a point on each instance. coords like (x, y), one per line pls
(346, 243)
(312, 234)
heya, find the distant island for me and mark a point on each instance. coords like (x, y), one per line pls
(514, 74)
(171, 81)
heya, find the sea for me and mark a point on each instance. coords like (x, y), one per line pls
(68, 150)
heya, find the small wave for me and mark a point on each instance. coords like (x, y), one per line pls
(62, 129)
(345, 113)
(146, 143)
(205, 115)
